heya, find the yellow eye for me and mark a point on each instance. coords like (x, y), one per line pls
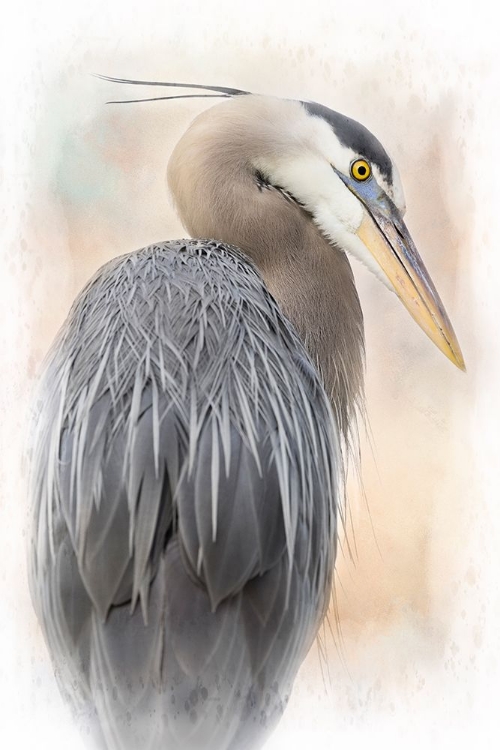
(360, 170)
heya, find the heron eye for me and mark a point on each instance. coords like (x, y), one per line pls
(360, 170)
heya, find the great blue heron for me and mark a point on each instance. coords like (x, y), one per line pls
(187, 445)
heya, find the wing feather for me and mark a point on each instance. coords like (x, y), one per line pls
(185, 458)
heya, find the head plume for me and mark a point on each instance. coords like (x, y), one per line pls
(217, 91)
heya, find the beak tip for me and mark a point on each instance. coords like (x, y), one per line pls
(456, 356)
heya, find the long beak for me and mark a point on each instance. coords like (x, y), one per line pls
(385, 235)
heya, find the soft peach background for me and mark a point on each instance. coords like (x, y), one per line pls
(418, 604)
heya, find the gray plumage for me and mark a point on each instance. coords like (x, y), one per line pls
(184, 475)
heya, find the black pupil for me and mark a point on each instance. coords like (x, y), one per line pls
(362, 170)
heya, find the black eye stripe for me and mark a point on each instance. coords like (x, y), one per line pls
(355, 136)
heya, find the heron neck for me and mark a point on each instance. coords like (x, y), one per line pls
(219, 197)
(317, 294)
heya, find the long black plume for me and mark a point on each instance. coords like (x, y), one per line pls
(222, 91)
(163, 98)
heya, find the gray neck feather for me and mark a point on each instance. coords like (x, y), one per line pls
(219, 196)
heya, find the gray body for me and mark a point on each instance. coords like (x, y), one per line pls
(184, 474)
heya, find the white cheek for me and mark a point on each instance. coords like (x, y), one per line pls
(313, 182)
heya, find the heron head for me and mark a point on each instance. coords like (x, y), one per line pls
(345, 179)
(334, 168)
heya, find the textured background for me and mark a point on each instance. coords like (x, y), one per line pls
(418, 603)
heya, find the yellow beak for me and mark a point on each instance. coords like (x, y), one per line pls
(387, 238)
